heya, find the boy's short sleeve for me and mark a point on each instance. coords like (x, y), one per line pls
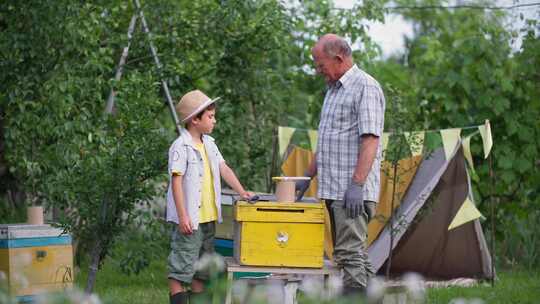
(219, 156)
(177, 159)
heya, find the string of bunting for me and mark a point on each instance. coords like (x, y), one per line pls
(450, 138)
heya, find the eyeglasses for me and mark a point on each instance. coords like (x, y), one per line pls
(320, 64)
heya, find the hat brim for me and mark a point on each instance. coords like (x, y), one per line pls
(201, 108)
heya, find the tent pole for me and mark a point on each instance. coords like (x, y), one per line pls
(392, 232)
(118, 75)
(492, 211)
(159, 67)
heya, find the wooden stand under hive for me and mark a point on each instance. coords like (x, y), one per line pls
(36, 259)
(279, 234)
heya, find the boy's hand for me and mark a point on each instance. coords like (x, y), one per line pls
(185, 225)
(246, 195)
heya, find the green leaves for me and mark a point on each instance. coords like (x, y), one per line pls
(64, 153)
(460, 65)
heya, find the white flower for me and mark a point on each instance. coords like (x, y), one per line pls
(458, 301)
(335, 286)
(375, 289)
(313, 287)
(213, 262)
(414, 283)
(76, 296)
(275, 292)
(240, 288)
(92, 299)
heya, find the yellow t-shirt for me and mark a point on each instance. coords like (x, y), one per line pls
(208, 210)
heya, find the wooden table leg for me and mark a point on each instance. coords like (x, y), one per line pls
(228, 299)
(326, 278)
(289, 292)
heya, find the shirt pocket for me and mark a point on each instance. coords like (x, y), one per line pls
(193, 163)
(342, 116)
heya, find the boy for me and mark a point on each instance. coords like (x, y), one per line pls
(194, 194)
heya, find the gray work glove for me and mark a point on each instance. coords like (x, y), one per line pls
(354, 200)
(301, 187)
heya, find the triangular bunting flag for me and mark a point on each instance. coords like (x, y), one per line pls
(485, 131)
(385, 138)
(466, 144)
(313, 135)
(466, 213)
(416, 142)
(450, 138)
(284, 137)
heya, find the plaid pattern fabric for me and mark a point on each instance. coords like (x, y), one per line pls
(353, 106)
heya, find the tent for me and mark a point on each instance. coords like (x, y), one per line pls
(433, 193)
(422, 241)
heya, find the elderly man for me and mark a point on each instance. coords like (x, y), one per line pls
(348, 156)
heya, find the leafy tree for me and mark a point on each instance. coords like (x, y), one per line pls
(58, 60)
(59, 145)
(459, 70)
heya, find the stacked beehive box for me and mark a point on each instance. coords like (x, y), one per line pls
(279, 234)
(35, 259)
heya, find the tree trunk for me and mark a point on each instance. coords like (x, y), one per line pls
(95, 258)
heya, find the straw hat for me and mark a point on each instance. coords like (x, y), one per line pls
(193, 103)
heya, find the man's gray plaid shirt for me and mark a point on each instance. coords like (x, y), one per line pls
(353, 106)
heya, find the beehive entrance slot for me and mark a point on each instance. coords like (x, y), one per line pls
(281, 210)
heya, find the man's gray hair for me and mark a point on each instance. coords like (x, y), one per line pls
(337, 46)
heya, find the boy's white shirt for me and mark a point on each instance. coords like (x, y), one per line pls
(185, 159)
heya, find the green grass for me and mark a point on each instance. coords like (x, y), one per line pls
(150, 286)
(112, 286)
(512, 286)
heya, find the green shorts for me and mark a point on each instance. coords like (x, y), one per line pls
(186, 251)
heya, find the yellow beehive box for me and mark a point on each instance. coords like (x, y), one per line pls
(35, 259)
(279, 234)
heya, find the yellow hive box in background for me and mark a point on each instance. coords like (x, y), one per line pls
(279, 234)
(36, 259)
